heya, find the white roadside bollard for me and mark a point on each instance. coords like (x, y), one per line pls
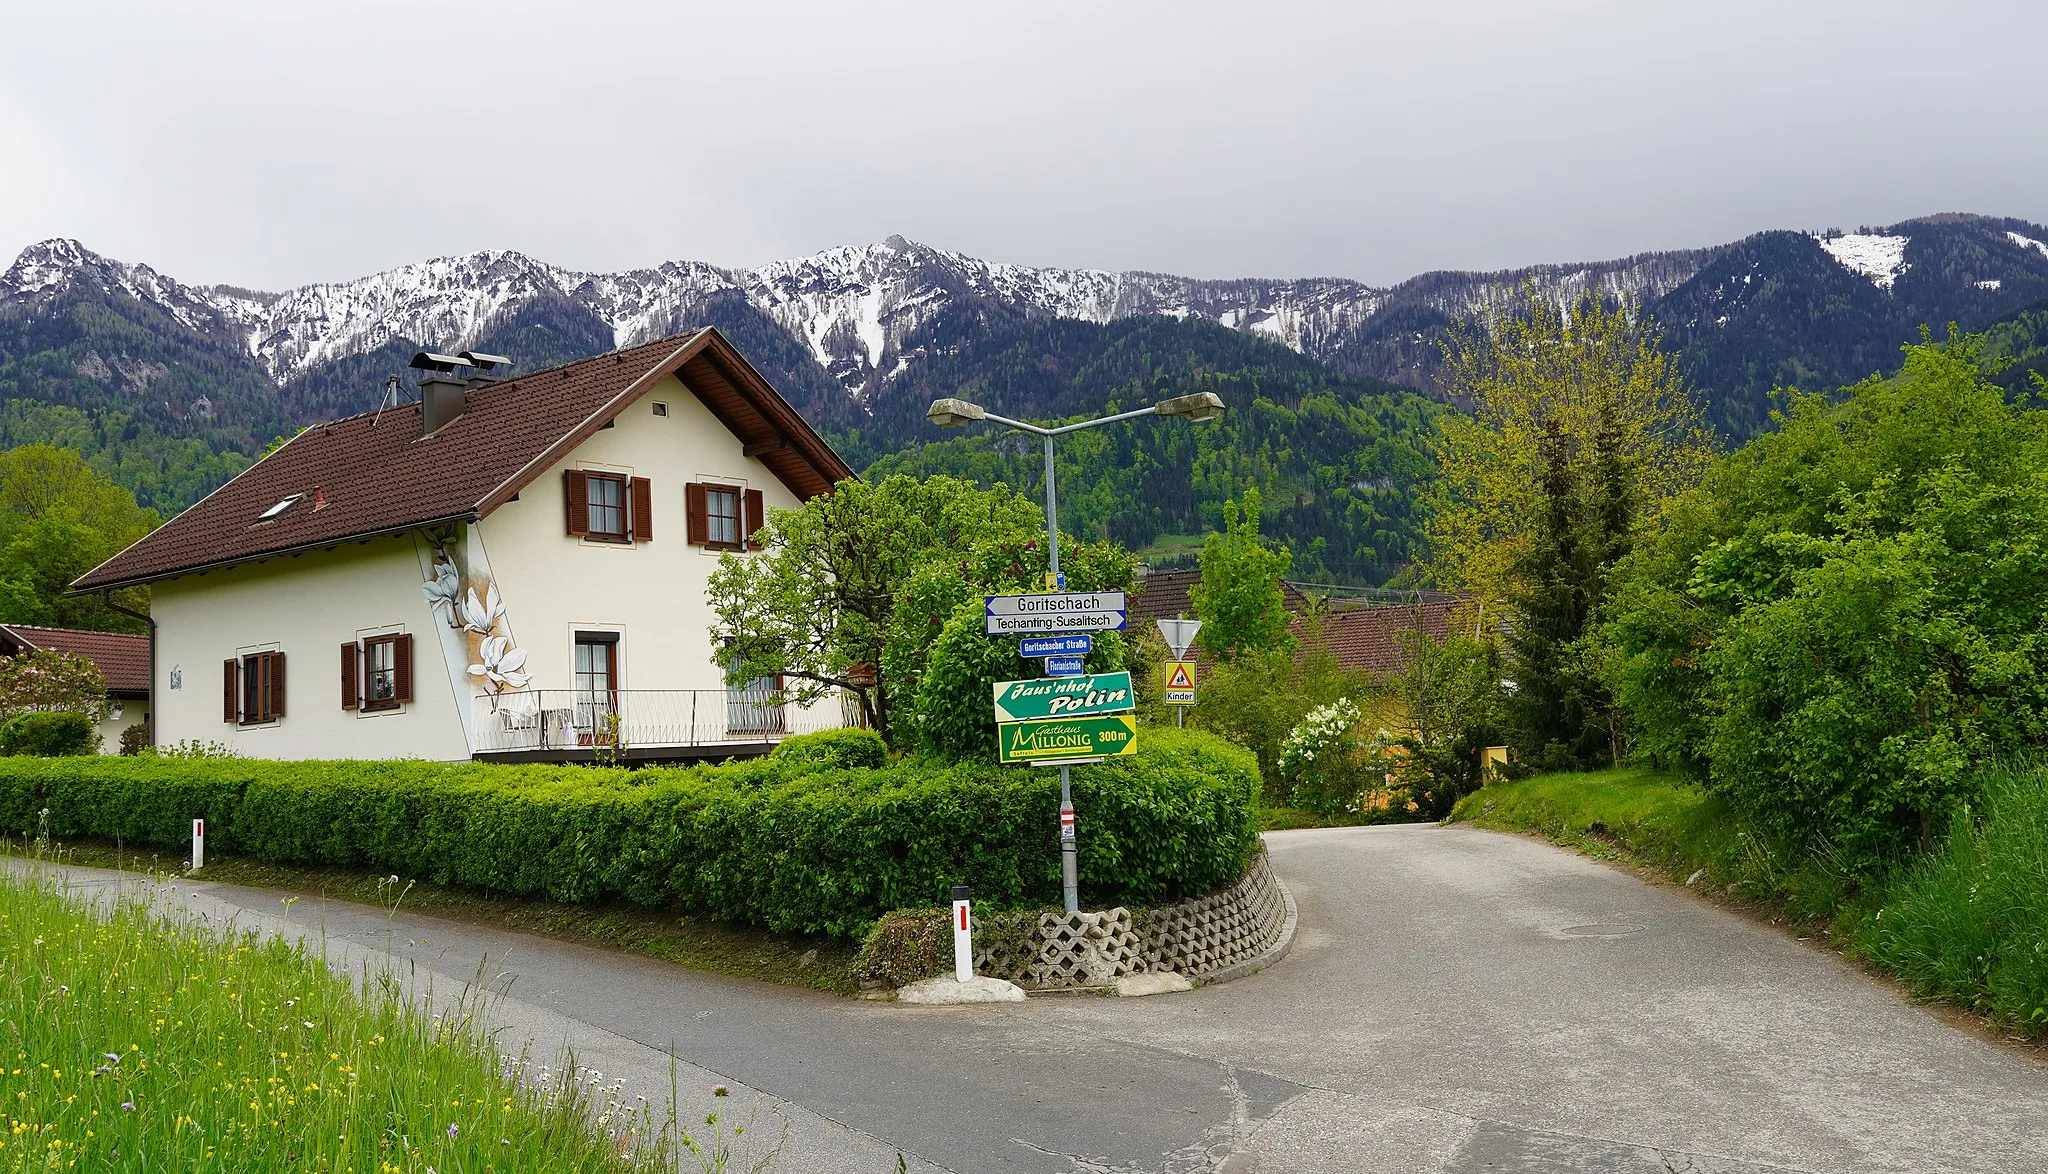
(198, 844)
(963, 938)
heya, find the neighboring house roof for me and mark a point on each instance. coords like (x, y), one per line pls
(122, 659)
(1377, 638)
(375, 474)
(1162, 595)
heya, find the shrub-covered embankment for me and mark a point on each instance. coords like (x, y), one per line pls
(1964, 921)
(821, 837)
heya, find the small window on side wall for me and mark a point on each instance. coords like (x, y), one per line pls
(376, 673)
(253, 688)
(723, 517)
(608, 507)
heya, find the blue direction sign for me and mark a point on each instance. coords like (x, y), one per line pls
(1056, 645)
(1063, 666)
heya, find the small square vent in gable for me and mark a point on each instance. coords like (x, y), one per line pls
(660, 409)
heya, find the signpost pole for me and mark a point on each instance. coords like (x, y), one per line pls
(1070, 871)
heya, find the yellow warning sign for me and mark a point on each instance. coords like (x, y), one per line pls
(1180, 682)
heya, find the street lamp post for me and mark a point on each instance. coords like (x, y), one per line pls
(1201, 407)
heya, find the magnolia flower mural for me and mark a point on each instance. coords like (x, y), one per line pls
(444, 590)
(501, 665)
(482, 615)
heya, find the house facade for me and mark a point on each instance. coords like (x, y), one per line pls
(507, 569)
(123, 660)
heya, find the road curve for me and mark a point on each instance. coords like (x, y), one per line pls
(1455, 1001)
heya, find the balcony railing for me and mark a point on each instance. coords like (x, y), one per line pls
(644, 722)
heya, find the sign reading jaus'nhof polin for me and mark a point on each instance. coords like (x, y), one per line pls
(1083, 696)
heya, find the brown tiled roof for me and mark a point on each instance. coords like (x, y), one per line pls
(122, 659)
(1162, 595)
(1376, 637)
(375, 473)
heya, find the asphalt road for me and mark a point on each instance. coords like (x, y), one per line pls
(1455, 1001)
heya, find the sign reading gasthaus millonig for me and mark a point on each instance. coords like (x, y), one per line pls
(1066, 739)
(1054, 697)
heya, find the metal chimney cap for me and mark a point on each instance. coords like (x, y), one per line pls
(487, 362)
(429, 361)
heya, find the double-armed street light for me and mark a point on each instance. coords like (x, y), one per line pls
(1201, 407)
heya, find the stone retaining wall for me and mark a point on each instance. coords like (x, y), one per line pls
(1194, 938)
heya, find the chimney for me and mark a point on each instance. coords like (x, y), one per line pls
(444, 391)
(489, 368)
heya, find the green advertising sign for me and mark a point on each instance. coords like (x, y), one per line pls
(1066, 738)
(1018, 701)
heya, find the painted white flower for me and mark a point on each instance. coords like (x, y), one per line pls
(482, 615)
(443, 591)
(501, 663)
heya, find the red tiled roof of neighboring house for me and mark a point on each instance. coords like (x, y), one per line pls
(375, 474)
(1162, 595)
(1376, 637)
(122, 659)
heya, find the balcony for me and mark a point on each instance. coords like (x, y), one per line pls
(646, 725)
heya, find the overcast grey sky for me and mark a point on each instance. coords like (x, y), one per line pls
(273, 143)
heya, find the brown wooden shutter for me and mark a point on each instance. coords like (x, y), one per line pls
(274, 706)
(693, 505)
(641, 491)
(752, 517)
(576, 494)
(349, 660)
(231, 698)
(401, 666)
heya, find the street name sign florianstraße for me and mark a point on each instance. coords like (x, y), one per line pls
(1066, 611)
(1064, 666)
(1067, 739)
(1058, 697)
(1057, 645)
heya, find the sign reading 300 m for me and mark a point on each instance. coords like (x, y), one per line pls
(1067, 738)
(1052, 697)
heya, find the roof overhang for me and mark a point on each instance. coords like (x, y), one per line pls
(280, 552)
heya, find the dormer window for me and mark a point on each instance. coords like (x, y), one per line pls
(280, 507)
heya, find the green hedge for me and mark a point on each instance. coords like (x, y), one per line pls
(792, 844)
(49, 734)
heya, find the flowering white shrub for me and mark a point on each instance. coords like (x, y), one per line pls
(1332, 767)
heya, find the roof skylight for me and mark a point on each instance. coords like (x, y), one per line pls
(280, 507)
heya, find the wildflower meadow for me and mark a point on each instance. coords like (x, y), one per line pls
(136, 1040)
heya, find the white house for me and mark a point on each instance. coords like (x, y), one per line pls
(507, 569)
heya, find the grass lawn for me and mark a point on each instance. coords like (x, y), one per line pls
(819, 963)
(135, 1041)
(1648, 816)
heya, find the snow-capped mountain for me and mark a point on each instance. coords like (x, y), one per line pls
(845, 328)
(856, 309)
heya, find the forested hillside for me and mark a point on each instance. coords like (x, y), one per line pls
(1337, 458)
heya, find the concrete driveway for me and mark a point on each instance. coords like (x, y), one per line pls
(1455, 1001)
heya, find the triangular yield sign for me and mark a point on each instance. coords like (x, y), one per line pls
(1179, 678)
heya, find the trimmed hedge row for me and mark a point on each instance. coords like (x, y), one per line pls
(797, 842)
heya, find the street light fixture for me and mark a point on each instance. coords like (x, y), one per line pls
(1201, 407)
